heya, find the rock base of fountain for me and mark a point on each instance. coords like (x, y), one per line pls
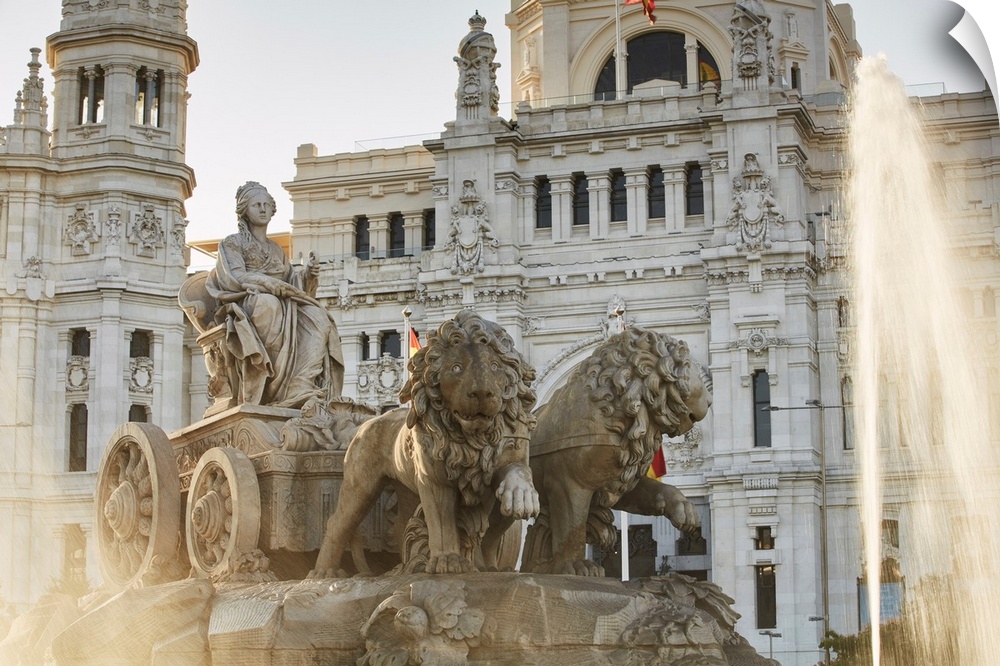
(481, 618)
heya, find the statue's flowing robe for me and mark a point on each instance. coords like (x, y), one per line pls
(287, 350)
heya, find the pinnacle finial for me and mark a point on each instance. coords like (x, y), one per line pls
(477, 22)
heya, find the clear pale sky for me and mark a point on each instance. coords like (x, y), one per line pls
(341, 75)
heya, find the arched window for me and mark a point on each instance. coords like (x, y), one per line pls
(656, 55)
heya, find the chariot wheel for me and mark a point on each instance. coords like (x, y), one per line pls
(138, 504)
(223, 511)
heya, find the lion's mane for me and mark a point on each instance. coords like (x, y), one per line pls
(638, 381)
(470, 458)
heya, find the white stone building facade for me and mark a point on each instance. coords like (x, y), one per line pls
(705, 202)
(92, 253)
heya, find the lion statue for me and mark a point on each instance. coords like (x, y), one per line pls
(595, 439)
(459, 452)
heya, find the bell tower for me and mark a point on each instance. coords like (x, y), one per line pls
(92, 254)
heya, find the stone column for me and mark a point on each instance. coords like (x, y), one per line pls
(119, 93)
(637, 196)
(413, 232)
(599, 198)
(529, 222)
(673, 185)
(561, 188)
(378, 236)
(691, 53)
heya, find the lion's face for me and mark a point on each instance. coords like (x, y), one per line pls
(697, 402)
(473, 386)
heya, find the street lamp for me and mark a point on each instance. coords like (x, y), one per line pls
(824, 560)
(771, 635)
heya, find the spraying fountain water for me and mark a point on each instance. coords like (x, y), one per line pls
(925, 386)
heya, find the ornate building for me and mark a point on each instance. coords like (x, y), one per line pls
(92, 253)
(701, 196)
(696, 191)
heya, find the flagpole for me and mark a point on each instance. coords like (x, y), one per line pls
(405, 343)
(619, 61)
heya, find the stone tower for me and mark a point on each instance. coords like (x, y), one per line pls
(92, 254)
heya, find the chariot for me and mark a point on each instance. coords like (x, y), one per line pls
(245, 491)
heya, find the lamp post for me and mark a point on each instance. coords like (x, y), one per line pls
(771, 635)
(824, 558)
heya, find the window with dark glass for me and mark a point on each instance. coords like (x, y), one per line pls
(389, 342)
(91, 107)
(581, 200)
(543, 203)
(78, 438)
(767, 601)
(138, 414)
(148, 89)
(761, 409)
(365, 347)
(397, 236)
(796, 76)
(619, 199)
(655, 195)
(430, 235)
(362, 241)
(656, 55)
(694, 190)
(847, 400)
(138, 346)
(79, 342)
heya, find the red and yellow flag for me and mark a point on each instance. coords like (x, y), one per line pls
(414, 343)
(648, 6)
(659, 465)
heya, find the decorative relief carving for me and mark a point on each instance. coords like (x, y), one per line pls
(760, 483)
(470, 232)
(146, 232)
(379, 381)
(32, 268)
(81, 231)
(177, 236)
(113, 229)
(508, 185)
(684, 453)
(757, 340)
(752, 49)
(477, 82)
(702, 311)
(77, 374)
(754, 211)
(140, 374)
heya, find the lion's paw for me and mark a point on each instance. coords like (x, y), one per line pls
(683, 515)
(320, 574)
(449, 563)
(518, 498)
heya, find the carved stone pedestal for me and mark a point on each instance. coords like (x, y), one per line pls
(483, 618)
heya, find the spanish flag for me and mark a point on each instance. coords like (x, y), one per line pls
(414, 343)
(659, 465)
(647, 8)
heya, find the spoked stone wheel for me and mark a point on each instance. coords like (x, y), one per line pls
(138, 503)
(223, 516)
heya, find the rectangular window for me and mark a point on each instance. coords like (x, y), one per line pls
(847, 400)
(796, 76)
(138, 347)
(655, 195)
(619, 198)
(79, 342)
(390, 344)
(694, 190)
(429, 229)
(78, 438)
(543, 203)
(397, 237)
(764, 540)
(138, 414)
(761, 409)
(767, 601)
(581, 200)
(365, 347)
(362, 242)
(74, 578)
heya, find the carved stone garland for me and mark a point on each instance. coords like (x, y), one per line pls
(470, 231)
